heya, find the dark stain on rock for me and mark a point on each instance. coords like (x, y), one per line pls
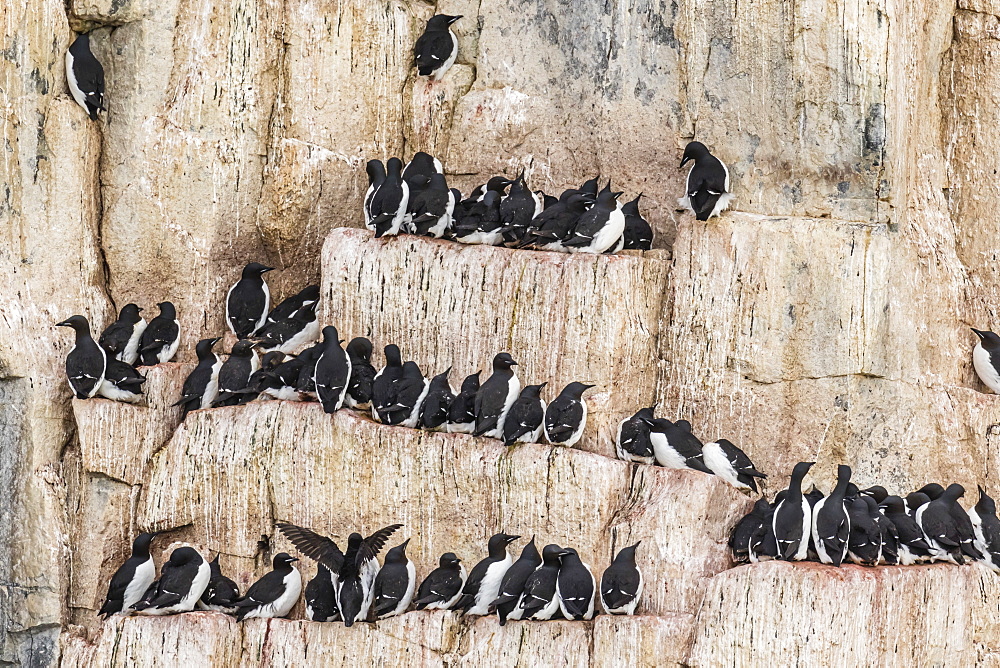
(875, 128)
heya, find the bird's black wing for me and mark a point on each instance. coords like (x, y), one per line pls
(389, 587)
(159, 332)
(440, 585)
(619, 586)
(115, 337)
(315, 546)
(562, 418)
(523, 418)
(372, 545)
(538, 591)
(937, 525)
(432, 49)
(116, 589)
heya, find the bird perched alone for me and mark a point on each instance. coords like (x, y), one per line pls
(121, 338)
(437, 48)
(273, 595)
(86, 362)
(248, 301)
(85, 76)
(621, 584)
(707, 192)
(131, 580)
(986, 359)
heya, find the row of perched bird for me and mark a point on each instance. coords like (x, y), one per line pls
(415, 199)
(351, 586)
(868, 526)
(645, 439)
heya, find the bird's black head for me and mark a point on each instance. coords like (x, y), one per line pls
(448, 559)
(79, 324)
(438, 182)
(917, 499)
(419, 180)
(631, 208)
(184, 555)
(243, 348)
(393, 167)
(142, 542)
(852, 491)
(375, 170)
(954, 492)
(547, 200)
(503, 361)
(761, 507)
(330, 335)
(498, 184)
(801, 469)
(576, 389)
(578, 203)
(498, 543)
(167, 310)
(130, 313)
(411, 370)
(255, 270)
(354, 540)
(442, 378)
(932, 490)
(550, 553)
(272, 359)
(589, 187)
(893, 504)
(683, 425)
(986, 505)
(471, 382)
(872, 505)
(397, 555)
(310, 293)
(532, 391)
(283, 560)
(876, 492)
(843, 472)
(644, 413)
(567, 552)
(204, 347)
(392, 355)
(360, 347)
(989, 340)
(627, 554)
(694, 151)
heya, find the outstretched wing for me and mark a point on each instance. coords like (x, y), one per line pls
(375, 542)
(315, 546)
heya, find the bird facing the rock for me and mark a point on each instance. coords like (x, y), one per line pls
(85, 76)
(248, 301)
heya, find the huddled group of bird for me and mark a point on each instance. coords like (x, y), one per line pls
(645, 439)
(868, 526)
(351, 586)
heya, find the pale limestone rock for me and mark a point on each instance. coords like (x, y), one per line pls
(562, 317)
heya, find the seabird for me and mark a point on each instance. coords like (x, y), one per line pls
(986, 359)
(638, 234)
(632, 441)
(121, 382)
(307, 296)
(321, 596)
(496, 396)
(390, 200)
(85, 76)
(462, 413)
(121, 338)
(434, 408)
(739, 539)
(831, 524)
(793, 518)
(248, 301)
(275, 594)
(183, 579)
(359, 389)
(290, 334)
(912, 547)
(540, 600)
(525, 419)
(512, 585)
(600, 227)
(437, 48)
(333, 371)
(384, 383)
(707, 191)
(86, 362)
(888, 537)
(763, 544)
(201, 387)
(517, 210)
(575, 586)
(675, 446)
(159, 341)
(555, 224)
(221, 594)
(443, 587)
(621, 584)
(865, 543)
(483, 585)
(987, 529)
(376, 177)
(432, 207)
(732, 465)
(394, 584)
(132, 579)
(235, 374)
(566, 416)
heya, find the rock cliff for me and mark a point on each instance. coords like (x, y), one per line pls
(827, 318)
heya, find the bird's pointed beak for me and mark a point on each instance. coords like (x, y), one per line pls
(454, 18)
(267, 269)
(139, 309)
(978, 332)
(64, 323)
(684, 161)
(295, 559)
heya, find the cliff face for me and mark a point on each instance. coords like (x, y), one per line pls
(827, 320)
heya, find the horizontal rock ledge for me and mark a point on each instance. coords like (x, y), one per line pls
(228, 474)
(418, 639)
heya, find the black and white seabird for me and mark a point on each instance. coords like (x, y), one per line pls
(183, 579)
(963, 525)
(566, 416)
(517, 210)
(732, 465)
(600, 227)
(707, 192)
(986, 359)
(290, 334)
(85, 76)
(831, 524)
(321, 596)
(398, 402)
(632, 441)
(201, 387)
(86, 362)
(121, 338)
(496, 396)
(888, 536)
(621, 584)
(540, 600)
(287, 309)
(557, 223)
(275, 594)
(263, 381)
(432, 207)
(481, 223)
(437, 48)
(248, 301)
(575, 586)
(385, 381)
(434, 408)
(865, 544)
(792, 521)
(355, 569)
(221, 593)
(306, 385)
(987, 529)
(121, 382)
(333, 372)
(526, 417)
(912, 547)
(638, 234)
(359, 389)
(234, 375)
(739, 539)
(483, 585)
(442, 588)
(389, 202)
(462, 413)
(394, 585)
(934, 519)
(763, 544)
(131, 580)
(421, 164)
(161, 338)
(675, 446)
(376, 177)
(512, 585)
